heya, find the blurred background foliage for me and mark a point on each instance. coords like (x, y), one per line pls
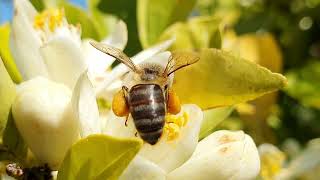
(281, 35)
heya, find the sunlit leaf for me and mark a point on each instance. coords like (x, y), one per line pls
(154, 16)
(221, 79)
(212, 118)
(199, 32)
(98, 157)
(6, 55)
(303, 84)
(264, 50)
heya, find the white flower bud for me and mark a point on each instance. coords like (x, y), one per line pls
(222, 155)
(43, 115)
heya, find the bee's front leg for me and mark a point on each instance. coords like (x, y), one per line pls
(119, 103)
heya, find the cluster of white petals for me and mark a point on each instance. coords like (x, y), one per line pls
(56, 105)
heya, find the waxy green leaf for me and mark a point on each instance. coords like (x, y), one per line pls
(13, 144)
(98, 157)
(6, 54)
(198, 32)
(221, 79)
(7, 96)
(154, 16)
(212, 118)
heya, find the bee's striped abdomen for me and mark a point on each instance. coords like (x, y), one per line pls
(147, 107)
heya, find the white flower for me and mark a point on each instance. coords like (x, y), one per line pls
(48, 52)
(45, 44)
(44, 117)
(221, 155)
(52, 49)
(177, 154)
(56, 105)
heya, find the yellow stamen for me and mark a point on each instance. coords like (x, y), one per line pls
(271, 164)
(52, 17)
(173, 131)
(174, 123)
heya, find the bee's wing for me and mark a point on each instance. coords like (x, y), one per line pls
(116, 53)
(180, 59)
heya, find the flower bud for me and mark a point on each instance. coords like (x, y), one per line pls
(43, 116)
(222, 155)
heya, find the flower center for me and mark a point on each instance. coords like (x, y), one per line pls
(173, 125)
(271, 164)
(51, 18)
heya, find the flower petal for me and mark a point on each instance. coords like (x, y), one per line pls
(305, 165)
(142, 56)
(97, 61)
(26, 8)
(222, 155)
(171, 154)
(119, 36)
(142, 169)
(43, 115)
(64, 60)
(148, 53)
(85, 107)
(272, 161)
(115, 126)
(25, 42)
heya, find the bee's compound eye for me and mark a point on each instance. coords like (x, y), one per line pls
(119, 105)
(174, 105)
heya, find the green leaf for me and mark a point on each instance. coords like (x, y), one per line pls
(98, 157)
(6, 54)
(125, 10)
(212, 118)
(221, 79)
(7, 96)
(38, 4)
(303, 84)
(14, 142)
(11, 139)
(154, 16)
(198, 32)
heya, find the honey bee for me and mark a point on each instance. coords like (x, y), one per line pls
(149, 95)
